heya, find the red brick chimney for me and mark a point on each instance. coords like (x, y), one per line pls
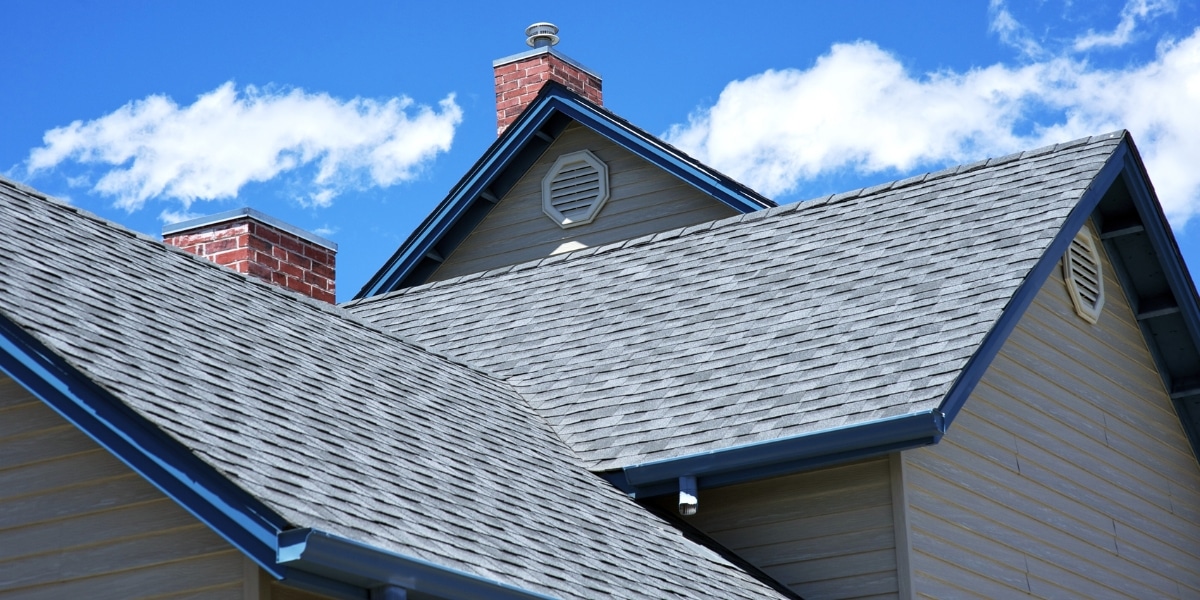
(250, 242)
(520, 76)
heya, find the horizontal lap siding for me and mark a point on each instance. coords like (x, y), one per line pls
(643, 199)
(825, 534)
(77, 523)
(1067, 474)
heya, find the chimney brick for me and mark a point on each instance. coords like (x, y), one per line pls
(520, 77)
(250, 242)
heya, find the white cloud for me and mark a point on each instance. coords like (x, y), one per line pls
(154, 148)
(1134, 11)
(858, 108)
(171, 217)
(1010, 31)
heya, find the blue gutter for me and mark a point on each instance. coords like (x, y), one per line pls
(230, 511)
(554, 98)
(306, 558)
(781, 456)
(833, 446)
(338, 558)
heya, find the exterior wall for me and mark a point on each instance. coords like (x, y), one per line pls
(643, 199)
(77, 523)
(825, 534)
(1067, 474)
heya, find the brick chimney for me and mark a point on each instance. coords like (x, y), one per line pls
(520, 76)
(250, 242)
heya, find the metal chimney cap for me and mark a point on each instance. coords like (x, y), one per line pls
(540, 35)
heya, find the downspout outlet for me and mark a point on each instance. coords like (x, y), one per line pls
(689, 500)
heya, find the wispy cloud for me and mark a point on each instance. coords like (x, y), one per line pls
(859, 108)
(154, 148)
(1133, 12)
(1010, 31)
(171, 217)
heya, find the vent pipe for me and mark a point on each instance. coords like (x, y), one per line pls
(541, 35)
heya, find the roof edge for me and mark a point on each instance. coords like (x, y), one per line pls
(553, 99)
(199, 488)
(1021, 300)
(327, 555)
(783, 456)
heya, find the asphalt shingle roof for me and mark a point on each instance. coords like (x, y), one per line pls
(806, 317)
(333, 423)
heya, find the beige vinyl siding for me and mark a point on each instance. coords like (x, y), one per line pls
(1067, 474)
(643, 199)
(77, 523)
(825, 534)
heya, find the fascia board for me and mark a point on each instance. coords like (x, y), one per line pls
(789, 455)
(330, 556)
(1163, 242)
(457, 201)
(1158, 229)
(1021, 300)
(782, 456)
(502, 152)
(227, 509)
(661, 156)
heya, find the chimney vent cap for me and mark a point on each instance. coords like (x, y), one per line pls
(540, 35)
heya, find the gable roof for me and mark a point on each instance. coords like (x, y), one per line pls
(329, 451)
(507, 160)
(819, 331)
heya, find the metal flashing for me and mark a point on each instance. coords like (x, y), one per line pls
(208, 495)
(499, 62)
(326, 555)
(247, 212)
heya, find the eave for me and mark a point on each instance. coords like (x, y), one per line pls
(473, 197)
(1122, 203)
(303, 558)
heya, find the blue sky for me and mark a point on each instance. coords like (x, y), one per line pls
(354, 120)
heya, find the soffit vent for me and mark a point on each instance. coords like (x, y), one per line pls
(575, 189)
(1085, 280)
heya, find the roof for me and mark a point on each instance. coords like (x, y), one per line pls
(822, 316)
(507, 160)
(316, 420)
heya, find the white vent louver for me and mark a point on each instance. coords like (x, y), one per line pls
(575, 189)
(1085, 280)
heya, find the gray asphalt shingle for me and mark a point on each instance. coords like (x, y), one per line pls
(787, 321)
(333, 423)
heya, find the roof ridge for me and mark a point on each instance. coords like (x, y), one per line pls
(767, 213)
(334, 310)
(658, 140)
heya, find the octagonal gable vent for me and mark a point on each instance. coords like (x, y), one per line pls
(1085, 280)
(575, 189)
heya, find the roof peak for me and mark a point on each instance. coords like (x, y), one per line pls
(801, 205)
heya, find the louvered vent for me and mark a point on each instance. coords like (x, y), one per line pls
(575, 189)
(1085, 280)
